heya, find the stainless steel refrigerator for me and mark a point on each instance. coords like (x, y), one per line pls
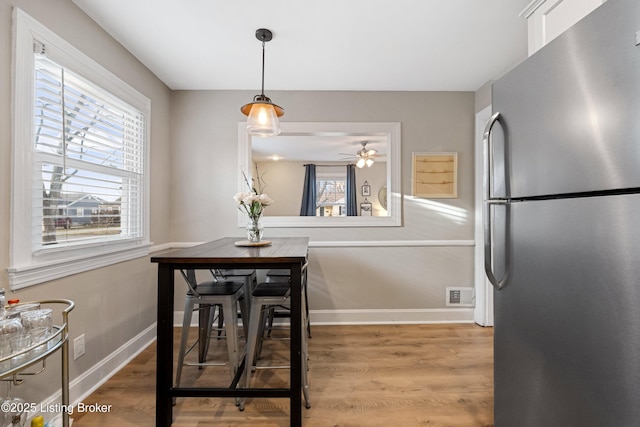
(562, 228)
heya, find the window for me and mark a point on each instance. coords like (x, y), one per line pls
(80, 180)
(88, 148)
(330, 195)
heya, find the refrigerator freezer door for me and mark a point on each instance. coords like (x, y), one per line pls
(570, 114)
(567, 322)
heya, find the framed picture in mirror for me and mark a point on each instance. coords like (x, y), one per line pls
(366, 189)
(366, 208)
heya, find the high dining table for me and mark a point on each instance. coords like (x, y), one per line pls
(283, 253)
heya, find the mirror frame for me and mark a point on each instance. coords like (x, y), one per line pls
(390, 130)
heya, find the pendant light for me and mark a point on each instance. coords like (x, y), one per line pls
(262, 114)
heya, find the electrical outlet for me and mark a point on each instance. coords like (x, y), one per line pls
(78, 347)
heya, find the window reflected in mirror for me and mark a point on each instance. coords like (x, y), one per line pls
(331, 194)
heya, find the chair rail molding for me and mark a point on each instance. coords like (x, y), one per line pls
(343, 244)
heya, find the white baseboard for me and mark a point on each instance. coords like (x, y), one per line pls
(391, 316)
(374, 317)
(81, 387)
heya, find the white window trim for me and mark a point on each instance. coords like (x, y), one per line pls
(25, 267)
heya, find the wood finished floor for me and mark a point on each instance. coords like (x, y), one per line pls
(382, 375)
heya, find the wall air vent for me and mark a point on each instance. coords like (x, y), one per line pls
(461, 297)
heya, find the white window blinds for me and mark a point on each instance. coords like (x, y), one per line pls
(88, 155)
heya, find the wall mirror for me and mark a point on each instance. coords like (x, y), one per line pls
(330, 146)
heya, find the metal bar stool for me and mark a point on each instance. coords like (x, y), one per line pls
(250, 280)
(264, 298)
(235, 275)
(225, 296)
(284, 275)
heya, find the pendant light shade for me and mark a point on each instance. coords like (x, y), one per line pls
(262, 117)
(262, 114)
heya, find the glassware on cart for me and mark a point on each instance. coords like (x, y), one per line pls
(5, 350)
(33, 319)
(16, 309)
(17, 413)
(22, 346)
(14, 409)
(39, 334)
(9, 328)
(19, 343)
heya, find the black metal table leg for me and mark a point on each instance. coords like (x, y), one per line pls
(164, 360)
(296, 346)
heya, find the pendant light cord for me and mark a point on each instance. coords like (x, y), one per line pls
(264, 35)
(262, 93)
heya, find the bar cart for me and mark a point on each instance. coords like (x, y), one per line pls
(13, 367)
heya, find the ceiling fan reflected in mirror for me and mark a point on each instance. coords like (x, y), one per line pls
(363, 156)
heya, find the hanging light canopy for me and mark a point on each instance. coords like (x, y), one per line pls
(262, 114)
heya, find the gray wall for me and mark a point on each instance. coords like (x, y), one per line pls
(388, 276)
(483, 96)
(116, 303)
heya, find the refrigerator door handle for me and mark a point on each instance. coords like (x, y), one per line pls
(498, 284)
(488, 157)
(488, 193)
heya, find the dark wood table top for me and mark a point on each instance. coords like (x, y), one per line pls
(224, 251)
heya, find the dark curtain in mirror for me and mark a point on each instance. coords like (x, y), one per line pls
(308, 207)
(352, 209)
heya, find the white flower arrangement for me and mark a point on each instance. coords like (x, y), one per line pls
(252, 202)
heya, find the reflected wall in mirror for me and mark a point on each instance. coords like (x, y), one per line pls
(280, 163)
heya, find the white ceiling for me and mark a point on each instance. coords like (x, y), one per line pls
(395, 45)
(336, 148)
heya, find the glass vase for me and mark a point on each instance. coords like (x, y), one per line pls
(254, 229)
